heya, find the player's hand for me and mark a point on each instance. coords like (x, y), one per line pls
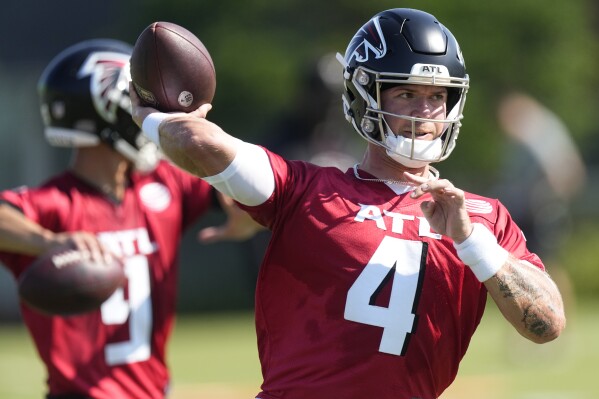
(238, 227)
(446, 211)
(202, 111)
(84, 241)
(138, 110)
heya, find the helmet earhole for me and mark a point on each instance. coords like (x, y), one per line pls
(362, 78)
(367, 126)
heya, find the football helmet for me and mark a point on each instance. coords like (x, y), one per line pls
(403, 46)
(84, 101)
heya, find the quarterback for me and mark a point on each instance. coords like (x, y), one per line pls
(375, 279)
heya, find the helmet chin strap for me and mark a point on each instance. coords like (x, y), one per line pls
(412, 153)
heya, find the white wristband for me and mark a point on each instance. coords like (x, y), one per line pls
(482, 253)
(151, 124)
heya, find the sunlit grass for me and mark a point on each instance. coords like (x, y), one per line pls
(215, 356)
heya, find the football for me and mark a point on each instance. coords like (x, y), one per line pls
(171, 69)
(66, 281)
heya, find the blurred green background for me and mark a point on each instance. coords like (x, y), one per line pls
(276, 87)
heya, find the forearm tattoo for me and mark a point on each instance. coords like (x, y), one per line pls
(531, 296)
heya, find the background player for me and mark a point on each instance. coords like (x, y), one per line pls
(375, 279)
(116, 198)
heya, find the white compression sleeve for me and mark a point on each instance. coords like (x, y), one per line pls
(249, 179)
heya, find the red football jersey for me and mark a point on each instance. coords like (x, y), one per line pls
(119, 350)
(357, 297)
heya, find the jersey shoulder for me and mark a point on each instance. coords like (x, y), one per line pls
(479, 205)
(489, 211)
(53, 193)
(299, 172)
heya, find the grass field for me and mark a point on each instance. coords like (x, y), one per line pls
(214, 357)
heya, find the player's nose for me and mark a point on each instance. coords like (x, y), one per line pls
(421, 107)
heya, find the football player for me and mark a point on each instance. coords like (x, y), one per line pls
(117, 198)
(375, 279)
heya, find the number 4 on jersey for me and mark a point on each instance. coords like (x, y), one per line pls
(403, 261)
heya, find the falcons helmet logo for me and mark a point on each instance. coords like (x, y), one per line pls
(369, 40)
(109, 82)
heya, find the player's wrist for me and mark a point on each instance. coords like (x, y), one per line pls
(151, 125)
(463, 237)
(45, 241)
(481, 252)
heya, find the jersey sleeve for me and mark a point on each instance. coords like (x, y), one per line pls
(38, 205)
(295, 174)
(22, 199)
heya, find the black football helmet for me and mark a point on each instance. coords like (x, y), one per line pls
(84, 96)
(402, 46)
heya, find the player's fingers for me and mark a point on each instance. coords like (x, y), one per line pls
(107, 254)
(424, 188)
(441, 185)
(425, 185)
(91, 250)
(414, 179)
(203, 110)
(225, 201)
(447, 191)
(212, 234)
(97, 251)
(428, 208)
(436, 188)
(139, 112)
(135, 101)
